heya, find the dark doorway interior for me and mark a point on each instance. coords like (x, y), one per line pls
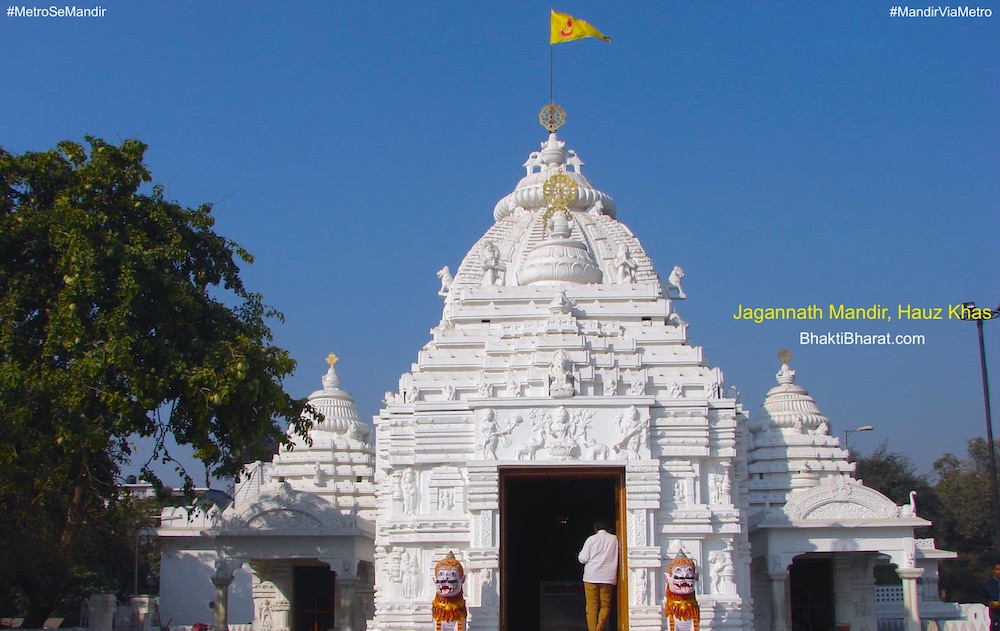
(312, 598)
(546, 518)
(811, 584)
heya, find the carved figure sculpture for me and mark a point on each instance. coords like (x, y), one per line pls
(909, 510)
(513, 388)
(680, 493)
(527, 451)
(492, 267)
(264, 615)
(680, 605)
(713, 390)
(674, 280)
(641, 586)
(637, 387)
(625, 266)
(714, 488)
(448, 608)
(633, 431)
(408, 486)
(494, 434)
(561, 376)
(722, 568)
(411, 577)
(446, 500)
(610, 385)
(446, 280)
(674, 390)
(589, 447)
(484, 388)
(559, 440)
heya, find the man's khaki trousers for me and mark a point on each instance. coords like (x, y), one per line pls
(598, 604)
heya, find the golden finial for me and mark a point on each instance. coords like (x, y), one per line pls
(332, 359)
(784, 356)
(552, 117)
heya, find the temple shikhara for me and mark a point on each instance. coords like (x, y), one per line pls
(558, 388)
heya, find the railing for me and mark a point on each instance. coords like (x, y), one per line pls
(936, 625)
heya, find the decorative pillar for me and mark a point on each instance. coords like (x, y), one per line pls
(345, 592)
(779, 602)
(222, 581)
(911, 597)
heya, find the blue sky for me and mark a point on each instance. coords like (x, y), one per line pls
(783, 153)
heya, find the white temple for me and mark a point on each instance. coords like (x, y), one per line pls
(559, 388)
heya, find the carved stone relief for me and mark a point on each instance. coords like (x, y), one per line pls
(680, 493)
(283, 519)
(720, 486)
(513, 387)
(640, 586)
(493, 268)
(560, 379)
(408, 488)
(493, 434)
(722, 569)
(634, 431)
(610, 384)
(449, 393)
(411, 575)
(562, 435)
(637, 386)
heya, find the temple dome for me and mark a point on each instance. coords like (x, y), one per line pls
(340, 413)
(530, 245)
(788, 406)
(539, 166)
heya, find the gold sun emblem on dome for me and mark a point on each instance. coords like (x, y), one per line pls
(332, 359)
(552, 117)
(559, 192)
(784, 356)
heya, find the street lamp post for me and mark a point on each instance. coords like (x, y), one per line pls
(970, 312)
(863, 428)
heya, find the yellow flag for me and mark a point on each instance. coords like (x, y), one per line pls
(566, 28)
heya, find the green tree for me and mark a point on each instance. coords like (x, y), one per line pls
(894, 475)
(122, 315)
(965, 524)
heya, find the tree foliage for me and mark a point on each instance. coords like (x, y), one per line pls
(958, 505)
(122, 315)
(965, 525)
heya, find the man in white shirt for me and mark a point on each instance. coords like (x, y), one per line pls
(600, 574)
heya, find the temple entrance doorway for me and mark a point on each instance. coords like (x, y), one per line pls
(546, 515)
(313, 598)
(811, 586)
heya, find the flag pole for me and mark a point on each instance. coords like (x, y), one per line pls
(551, 99)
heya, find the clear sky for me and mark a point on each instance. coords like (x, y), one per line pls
(783, 153)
